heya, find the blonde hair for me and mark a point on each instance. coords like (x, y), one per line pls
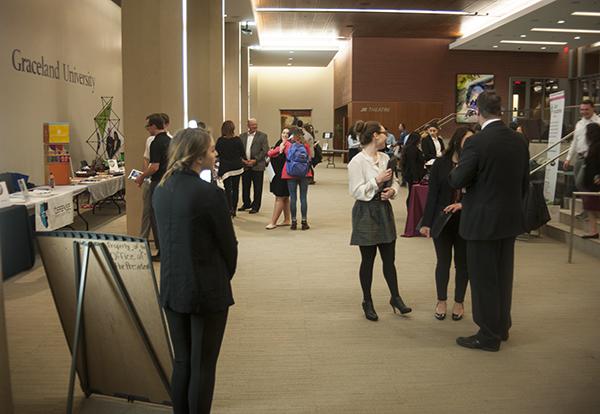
(187, 146)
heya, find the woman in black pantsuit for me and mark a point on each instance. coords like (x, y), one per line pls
(442, 198)
(198, 260)
(412, 162)
(230, 151)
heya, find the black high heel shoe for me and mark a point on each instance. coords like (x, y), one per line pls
(369, 310)
(439, 316)
(397, 303)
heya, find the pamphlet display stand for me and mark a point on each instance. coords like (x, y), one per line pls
(109, 311)
(57, 155)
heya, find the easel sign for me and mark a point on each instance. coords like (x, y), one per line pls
(119, 345)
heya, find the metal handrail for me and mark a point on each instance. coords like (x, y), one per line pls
(539, 167)
(572, 225)
(440, 121)
(552, 146)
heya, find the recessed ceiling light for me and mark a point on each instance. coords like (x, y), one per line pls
(596, 44)
(523, 35)
(495, 46)
(343, 10)
(577, 37)
(560, 21)
(290, 58)
(531, 42)
(552, 29)
(289, 64)
(588, 14)
(291, 51)
(543, 47)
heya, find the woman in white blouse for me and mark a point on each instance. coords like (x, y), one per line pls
(353, 141)
(372, 184)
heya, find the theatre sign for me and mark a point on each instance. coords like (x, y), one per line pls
(377, 109)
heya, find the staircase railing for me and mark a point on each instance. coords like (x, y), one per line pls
(439, 121)
(550, 161)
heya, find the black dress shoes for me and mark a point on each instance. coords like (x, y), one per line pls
(474, 342)
(253, 211)
(369, 310)
(590, 236)
(397, 303)
(243, 208)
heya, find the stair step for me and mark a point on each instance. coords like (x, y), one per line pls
(560, 232)
(565, 218)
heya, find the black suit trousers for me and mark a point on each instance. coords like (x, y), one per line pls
(491, 266)
(254, 179)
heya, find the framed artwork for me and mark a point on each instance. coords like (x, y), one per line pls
(291, 116)
(468, 88)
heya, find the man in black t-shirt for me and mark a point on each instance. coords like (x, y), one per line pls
(157, 166)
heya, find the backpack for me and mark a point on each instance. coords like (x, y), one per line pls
(297, 161)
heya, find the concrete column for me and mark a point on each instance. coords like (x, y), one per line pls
(244, 89)
(205, 38)
(232, 74)
(6, 404)
(152, 81)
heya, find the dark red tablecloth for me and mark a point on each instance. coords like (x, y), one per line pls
(416, 207)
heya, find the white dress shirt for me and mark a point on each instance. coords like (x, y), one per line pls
(489, 121)
(353, 143)
(579, 144)
(438, 147)
(249, 144)
(363, 170)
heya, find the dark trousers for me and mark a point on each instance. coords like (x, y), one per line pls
(448, 240)
(232, 189)
(491, 265)
(153, 224)
(196, 341)
(254, 179)
(293, 185)
(388, 256)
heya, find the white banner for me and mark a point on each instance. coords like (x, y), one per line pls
(557, 112)
(54, 212)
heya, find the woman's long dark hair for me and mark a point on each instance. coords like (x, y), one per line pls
(413, 140)
(454, 144)
(592, 137)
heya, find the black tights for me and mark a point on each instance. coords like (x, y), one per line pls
(196, 341)
(388, 255)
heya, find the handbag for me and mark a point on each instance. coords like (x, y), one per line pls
(439, 223)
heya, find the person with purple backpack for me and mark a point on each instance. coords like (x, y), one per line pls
(296, 171)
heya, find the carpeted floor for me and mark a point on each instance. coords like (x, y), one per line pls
(297, 341)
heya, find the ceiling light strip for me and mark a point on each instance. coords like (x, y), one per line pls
(532, 42)
(586, 14)
(384, 11)
(554, 30)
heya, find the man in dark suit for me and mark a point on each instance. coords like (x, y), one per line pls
(256, 146)
(432, 145)
(494, 170)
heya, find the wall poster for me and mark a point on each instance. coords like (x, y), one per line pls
(291, 116)
(468, 88)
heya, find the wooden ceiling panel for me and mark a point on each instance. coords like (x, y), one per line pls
(367, 25)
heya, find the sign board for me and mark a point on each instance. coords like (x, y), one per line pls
(557, 112)
(54, 212)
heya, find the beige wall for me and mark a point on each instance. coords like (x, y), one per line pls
(275, 88)
(6, 404)
(82, 33)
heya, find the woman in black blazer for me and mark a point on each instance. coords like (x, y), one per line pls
(432, 145)
(231, 151)
(198, 261)
(412, 162)
(442, 200)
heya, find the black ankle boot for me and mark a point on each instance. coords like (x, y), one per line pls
(397, 303)
(370, 313)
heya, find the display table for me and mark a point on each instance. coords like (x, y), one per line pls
(102, 187)
(416, 207)
(330, 154)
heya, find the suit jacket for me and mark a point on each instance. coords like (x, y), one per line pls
(258, 150)
(440, 194)
(198, 245)
(428, 147)
(494, 168)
